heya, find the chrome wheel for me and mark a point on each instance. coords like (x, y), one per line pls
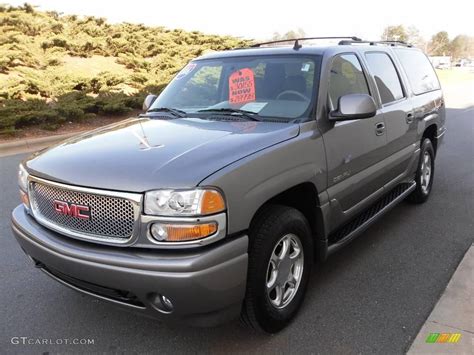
(425, 175)
(284, 271)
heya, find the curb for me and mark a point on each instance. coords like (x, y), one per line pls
(26, 145)
(449, 328)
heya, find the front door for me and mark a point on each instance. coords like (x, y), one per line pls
(353, 148)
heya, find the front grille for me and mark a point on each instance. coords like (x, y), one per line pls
(110, 217)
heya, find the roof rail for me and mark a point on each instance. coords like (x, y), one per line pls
(297, 44)
(374, 43)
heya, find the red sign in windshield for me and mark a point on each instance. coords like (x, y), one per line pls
(241, 86)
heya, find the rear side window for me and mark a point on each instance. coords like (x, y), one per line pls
(419, 70)
(346, 77)
(386, 76)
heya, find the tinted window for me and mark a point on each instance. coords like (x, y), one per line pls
(346, 77)
(419, 70)
(386, 77)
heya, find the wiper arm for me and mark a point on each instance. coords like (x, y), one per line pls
(247, 114)
(174, 111)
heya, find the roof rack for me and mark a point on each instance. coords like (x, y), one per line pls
(343, 41)
(297, 44)
(374, 43)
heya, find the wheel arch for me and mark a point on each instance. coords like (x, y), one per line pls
(430, 132)
(304, 197)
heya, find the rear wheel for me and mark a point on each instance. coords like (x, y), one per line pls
(424, 173)
(280, 260)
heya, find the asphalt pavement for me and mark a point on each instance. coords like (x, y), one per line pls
(371, 297)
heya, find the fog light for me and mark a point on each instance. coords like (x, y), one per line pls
(158, 231)
(164, 232)
(167, 302)
(161, 303)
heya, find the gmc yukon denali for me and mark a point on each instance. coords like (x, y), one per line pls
(251, 165)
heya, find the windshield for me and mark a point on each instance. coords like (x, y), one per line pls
(275, 87)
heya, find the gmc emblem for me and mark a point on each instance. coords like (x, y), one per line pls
(72, 209)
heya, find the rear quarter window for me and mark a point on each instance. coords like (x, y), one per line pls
(419, 70)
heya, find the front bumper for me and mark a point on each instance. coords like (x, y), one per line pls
(440, 135)
(206, 286)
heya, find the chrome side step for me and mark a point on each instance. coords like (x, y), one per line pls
(349, 231)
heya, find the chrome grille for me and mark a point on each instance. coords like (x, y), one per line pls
(111, 217)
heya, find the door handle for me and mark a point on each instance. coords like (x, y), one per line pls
(409, 118)
(379, 128)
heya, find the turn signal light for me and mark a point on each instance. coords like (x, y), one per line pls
(25, 199)
(212, 202)
(182, 232)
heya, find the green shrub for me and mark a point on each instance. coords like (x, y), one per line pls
(77, 100)
(117, 104)
(50, 126)
(54, 62)
(117, 108)
(70, 112)
(55, 42)
(37, 117)
(34, 46)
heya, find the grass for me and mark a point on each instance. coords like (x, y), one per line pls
(455, 75)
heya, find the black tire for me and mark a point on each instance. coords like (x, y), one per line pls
(265, 234)
(421, 193)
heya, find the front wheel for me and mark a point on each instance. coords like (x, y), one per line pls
(280, 260)
(424, 173)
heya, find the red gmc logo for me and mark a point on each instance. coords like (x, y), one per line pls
(71, 209)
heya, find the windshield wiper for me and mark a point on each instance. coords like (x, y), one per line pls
(247, 114)
(174, 111)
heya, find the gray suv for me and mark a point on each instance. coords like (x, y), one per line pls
(249, 166)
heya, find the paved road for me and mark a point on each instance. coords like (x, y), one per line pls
(372, 297)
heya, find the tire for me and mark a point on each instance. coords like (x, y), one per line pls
(423, 187)
(275, 227)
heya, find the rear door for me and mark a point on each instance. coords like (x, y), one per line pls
(426, 96)
(353, 148)
(398, 115)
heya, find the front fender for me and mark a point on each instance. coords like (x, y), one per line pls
(250, 182)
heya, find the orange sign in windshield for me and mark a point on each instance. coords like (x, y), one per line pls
(241, 86)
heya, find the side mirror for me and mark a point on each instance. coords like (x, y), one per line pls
(353, 106)
(148, 101)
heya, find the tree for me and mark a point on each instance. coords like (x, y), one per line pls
(395, 33)
(414, 38)
(439, 44)
(299, 33)
(29, 9)
(462, 46)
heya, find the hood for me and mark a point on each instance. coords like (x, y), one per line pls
(141, 154)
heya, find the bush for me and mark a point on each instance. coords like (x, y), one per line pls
(117, 104)
(72, 113)
(55, 42)
(71, 107)
(34, 46)
(117, 108)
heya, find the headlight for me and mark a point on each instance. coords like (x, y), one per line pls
(198, 202)
(23, 178)
(23, 184)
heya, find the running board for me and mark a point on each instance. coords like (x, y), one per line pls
(349, 231)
